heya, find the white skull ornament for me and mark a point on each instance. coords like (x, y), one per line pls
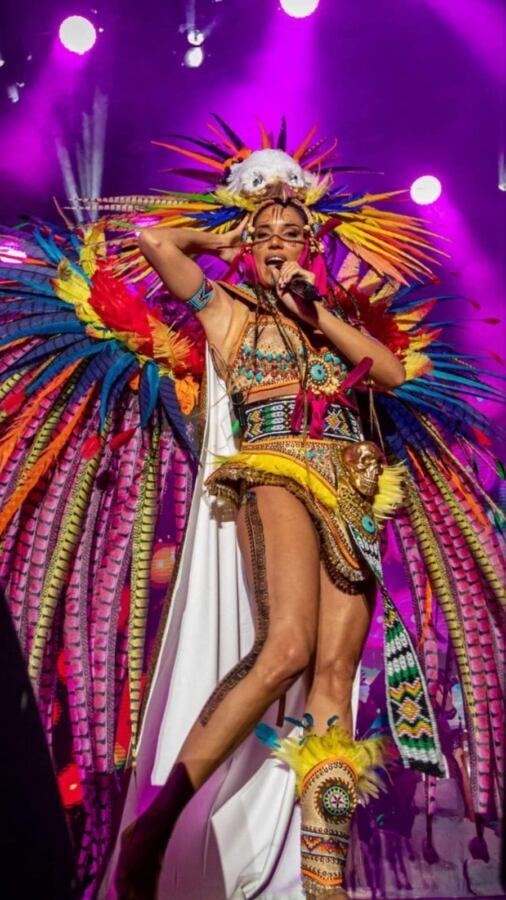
(263, 168)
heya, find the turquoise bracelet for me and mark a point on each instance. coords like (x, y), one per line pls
(201, 297)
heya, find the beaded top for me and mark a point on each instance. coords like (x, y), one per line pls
(270, 355)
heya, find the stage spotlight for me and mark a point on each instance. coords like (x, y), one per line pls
(502, 172)
(299, 9)
(194, 57)
(195, 37)
(77, 34)
(425, 190)
(13, 93)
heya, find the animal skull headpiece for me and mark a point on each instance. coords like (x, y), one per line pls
(262, 169)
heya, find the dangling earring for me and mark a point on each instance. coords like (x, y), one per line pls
(315, 245)
(247, 238)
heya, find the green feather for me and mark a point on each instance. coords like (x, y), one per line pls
(501, 471)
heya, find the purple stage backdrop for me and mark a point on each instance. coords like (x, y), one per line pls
(409, 87)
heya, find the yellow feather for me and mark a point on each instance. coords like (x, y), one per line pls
(387, 289)
(289, 468)
(370, 282)
(362, 756)
(166, 345)
(349, 269)
(423, 339)
(227, 198)
(93, 247)
(69, 285)
(390, 493)
(416, 364)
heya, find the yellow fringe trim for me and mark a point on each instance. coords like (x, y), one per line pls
(389, 497)
(362, 756)
(288, 467)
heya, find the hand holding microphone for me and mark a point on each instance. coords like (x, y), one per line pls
(298, 282)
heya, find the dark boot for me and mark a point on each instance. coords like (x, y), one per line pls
(144, 842)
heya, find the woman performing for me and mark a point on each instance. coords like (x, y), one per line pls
(303, 484)
(310, 587)
(298, 339)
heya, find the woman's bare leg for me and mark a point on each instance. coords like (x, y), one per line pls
(281, 552)
(343, 624)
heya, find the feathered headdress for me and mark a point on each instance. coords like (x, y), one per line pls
(395, 245)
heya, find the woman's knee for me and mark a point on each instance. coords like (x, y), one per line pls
(334, 677)
(282, 661)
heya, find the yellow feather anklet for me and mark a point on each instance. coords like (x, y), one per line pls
(333, 772)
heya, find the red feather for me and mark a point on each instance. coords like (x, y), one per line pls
(12, 402)
(91, 447)
(481, 437)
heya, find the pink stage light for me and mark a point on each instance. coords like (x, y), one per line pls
(77, 34)
(299, 9)
(426, 189)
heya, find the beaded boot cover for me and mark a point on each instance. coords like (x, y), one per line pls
(328, 800)
(333, 772)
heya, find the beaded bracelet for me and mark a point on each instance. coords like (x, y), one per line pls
(201, 297)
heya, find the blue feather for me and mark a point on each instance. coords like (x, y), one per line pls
(447, 355)
(31, 274)
(173, 412)
(218, 216)
(119, 385)
(49, 247)
(50, 323)
(122, 363)
(47, 349)
(67, 328)
(96, 369)
(36, 287)
(89, 347)
(267, 735)
(461, 379)
(56, 255)
(148, 390)
(414, 387)
(32, 307)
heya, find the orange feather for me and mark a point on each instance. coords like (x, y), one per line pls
(41, 466)
(309, 137)
(22, 421)
(198, 156)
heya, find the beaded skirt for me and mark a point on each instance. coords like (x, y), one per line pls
(313, 470)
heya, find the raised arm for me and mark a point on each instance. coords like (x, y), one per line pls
(169, 251)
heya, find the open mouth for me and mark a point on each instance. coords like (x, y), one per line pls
(274, 262)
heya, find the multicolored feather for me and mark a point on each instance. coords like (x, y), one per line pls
(81, 361)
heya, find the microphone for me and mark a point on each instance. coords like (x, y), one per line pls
(303, 289)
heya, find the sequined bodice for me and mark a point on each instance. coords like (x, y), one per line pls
(268, 356)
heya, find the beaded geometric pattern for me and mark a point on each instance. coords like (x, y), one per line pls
(328, 800)
(265, 357)
(409, 708)
(272, 418)
(335, 799)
